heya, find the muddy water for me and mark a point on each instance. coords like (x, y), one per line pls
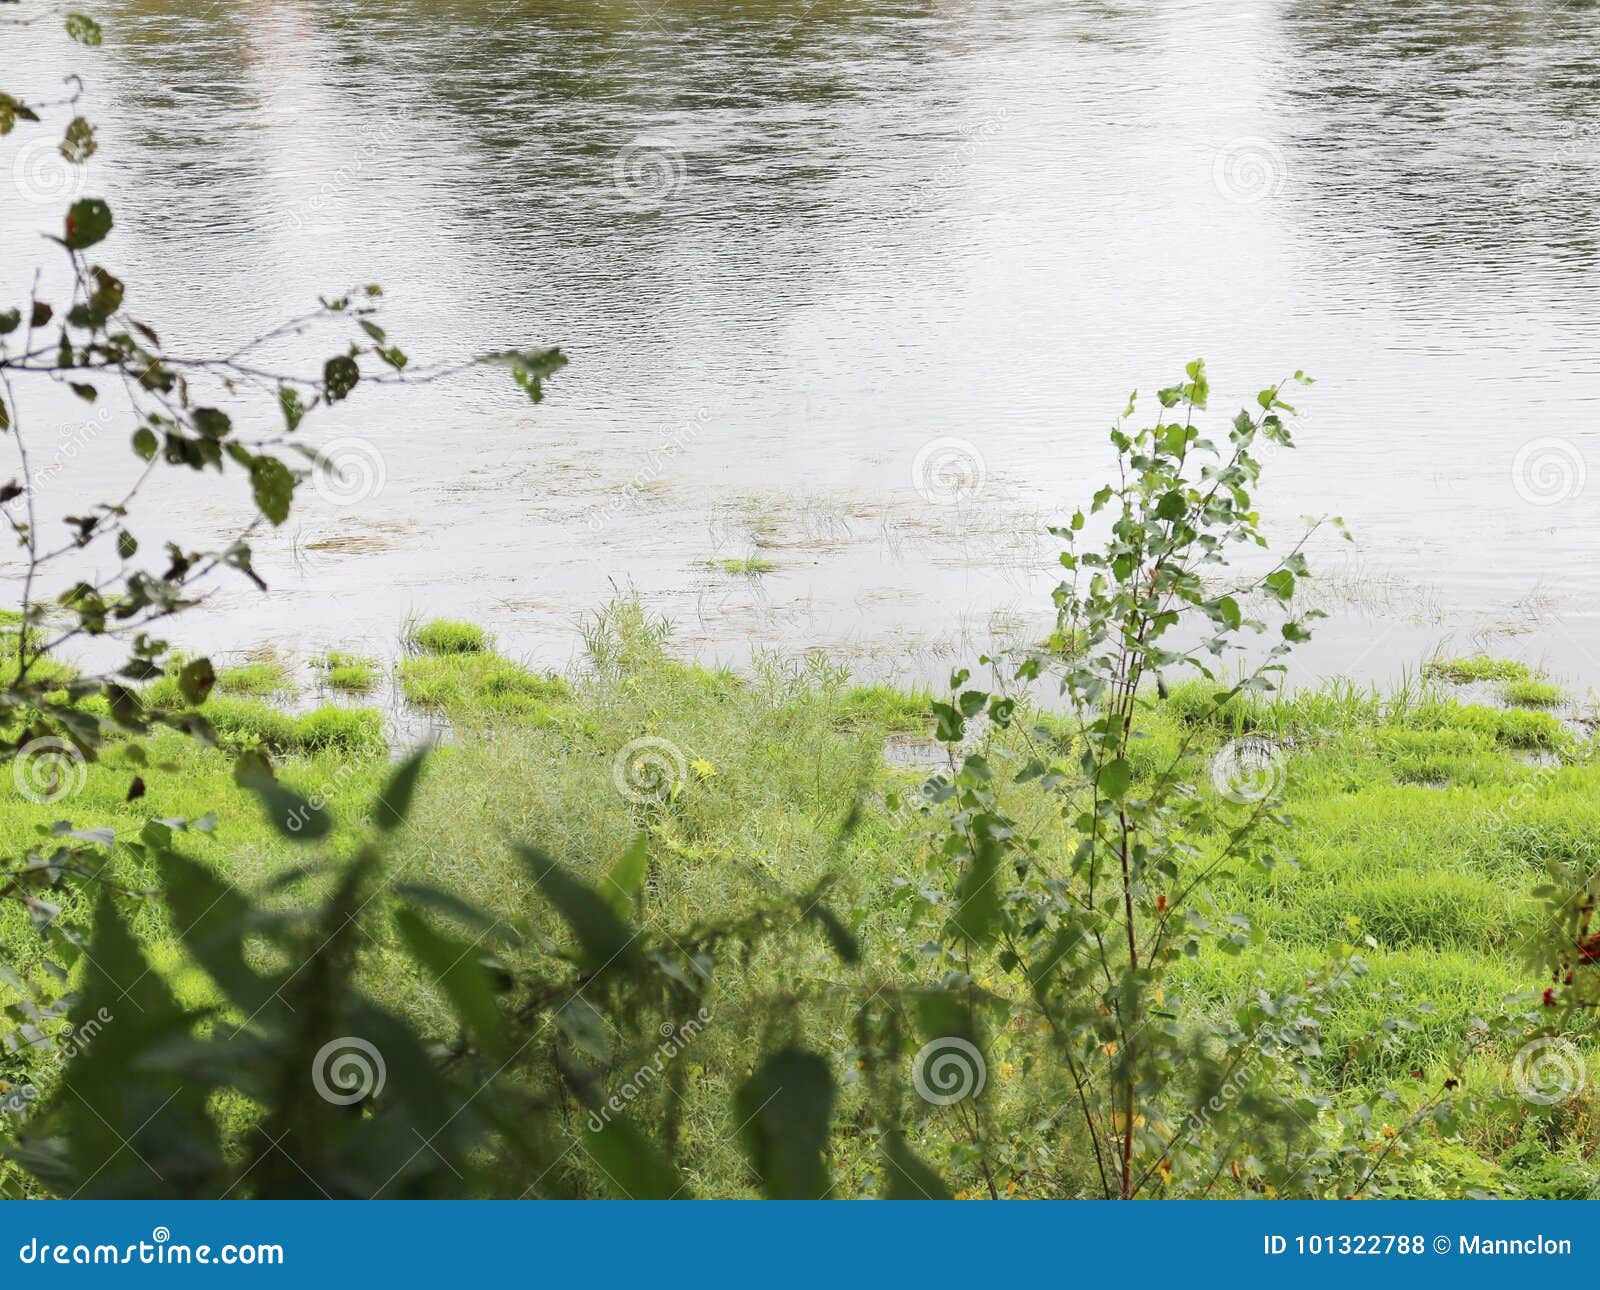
(856, 288)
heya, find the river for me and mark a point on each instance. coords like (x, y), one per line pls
(857, 289)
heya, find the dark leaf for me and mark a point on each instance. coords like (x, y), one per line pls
(785, 1110)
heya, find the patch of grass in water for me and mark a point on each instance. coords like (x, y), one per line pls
(748, 566)
(348, 673)
(886, 708)
(464, 684)
(259, 677)
(1478, 667)
(1510, 728)
(1533, 693)
(446, 636)
(250, 723)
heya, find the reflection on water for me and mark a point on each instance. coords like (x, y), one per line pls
(790, 246)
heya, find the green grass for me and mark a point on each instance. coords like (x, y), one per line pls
(1417, 822)
(1479, 667)
(348, 673)
(473, 684)
(249, 723)
(260, 677)
(444, 636)
(746, 566)
(1533, 693)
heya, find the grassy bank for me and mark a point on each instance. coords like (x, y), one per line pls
(1422, 822)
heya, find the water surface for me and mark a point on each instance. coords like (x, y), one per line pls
(790, 246)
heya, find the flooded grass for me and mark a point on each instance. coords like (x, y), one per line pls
(1417, 823)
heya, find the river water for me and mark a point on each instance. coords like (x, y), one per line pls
(856, 289)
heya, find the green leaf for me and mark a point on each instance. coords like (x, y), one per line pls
(840, 937)
(144, 443)
(530, 368)
(978, 892)
(622, 885)
(604, 939)
(339, 377)
(292, 815)
(631, 1165)
(785, 1110)
(907, 1176)
(394, 799)
(83, 29)
(212, 920)
(451, 906)
(78, 143)
(1114, 779)
(454, 968)
(88, 221)
(293, 408)
(1172, 506)
(272, 484)
(195, 680)
(110, 1130)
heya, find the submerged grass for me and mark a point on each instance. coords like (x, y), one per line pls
(348, 673)
(1476, 668)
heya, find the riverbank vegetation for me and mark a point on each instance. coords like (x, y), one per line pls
(1421, 831)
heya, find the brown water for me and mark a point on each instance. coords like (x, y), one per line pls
(798, 253)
